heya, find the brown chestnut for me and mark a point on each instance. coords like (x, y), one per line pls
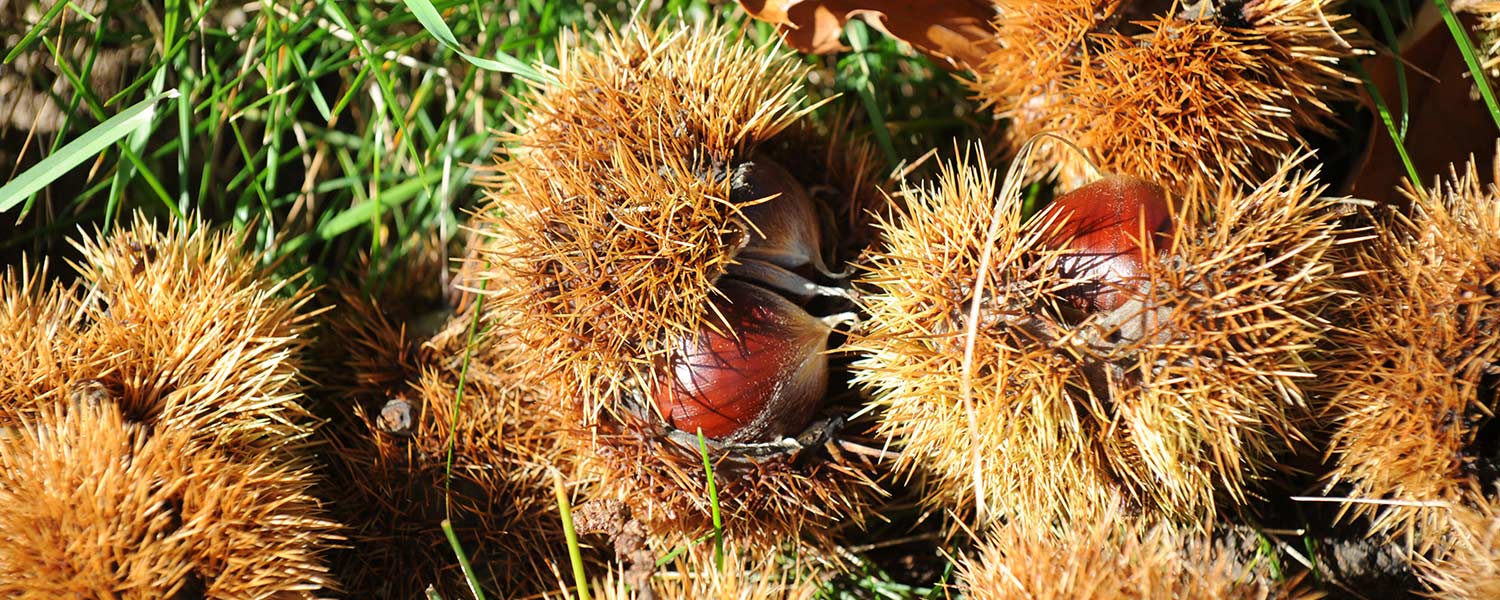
(757, 375)
(780, 216)
(1101, 225)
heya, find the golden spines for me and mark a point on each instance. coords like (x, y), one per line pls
(1179, 399)
(1187, 98)
(1413, 380)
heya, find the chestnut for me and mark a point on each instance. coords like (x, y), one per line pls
(781, 220)
(1101, 226)
(756, 375)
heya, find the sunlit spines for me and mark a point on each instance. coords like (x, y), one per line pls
(613, 198)
(1413, 382)
(93, 502)
(1178, 399)
(1033, 446)
(698, 574)
(1465, 563)
(1232, 318)
(203, 338)
(615, 218)
(40, 330)
(1188, 98)
(1110, 557)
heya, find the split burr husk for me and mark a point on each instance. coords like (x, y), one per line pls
(1184, 93)
(398, 413)
(1114, 557)
(1465, 564)
(697, 574)
(1179, 400)
(610, 224)
(1413, 385)
(154, 422)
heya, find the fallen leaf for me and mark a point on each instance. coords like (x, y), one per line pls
(957, 33)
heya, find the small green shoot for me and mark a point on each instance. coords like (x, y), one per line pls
(859, 40)
(463, 560)
(1390, 124)
(575, 554)
(713, 502)
(458, 399)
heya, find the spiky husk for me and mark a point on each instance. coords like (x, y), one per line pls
(1179, 416)
(90, 502)
(41, 332)
(696, 574)
(391, 484)
(175, 361)
(612, 202)
(1188, 102)
(765, 502)
(1413, 382)
(609, 227)
(1487, 32)
(1466, 563)
(198, 337)
(1110, 558)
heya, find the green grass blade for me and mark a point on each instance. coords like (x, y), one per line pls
(363, 212)
(713, 503)
(1390, 125)
(860, 41)
(35, 33)
(575, 554)
(79, 150)
(463, 560)
(1466, 47)
(433, 22)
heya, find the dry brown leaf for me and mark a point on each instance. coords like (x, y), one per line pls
(957, 32)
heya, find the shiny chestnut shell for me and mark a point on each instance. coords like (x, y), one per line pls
(1101, 225)
(758, 376)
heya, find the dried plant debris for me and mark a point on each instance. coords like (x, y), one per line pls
(958, 34)
(1414, 382)
(397, 415)
(664, 238)
(1188, 93)
(1022, 406)
(35, 90)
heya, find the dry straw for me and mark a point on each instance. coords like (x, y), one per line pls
(1179, 400)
